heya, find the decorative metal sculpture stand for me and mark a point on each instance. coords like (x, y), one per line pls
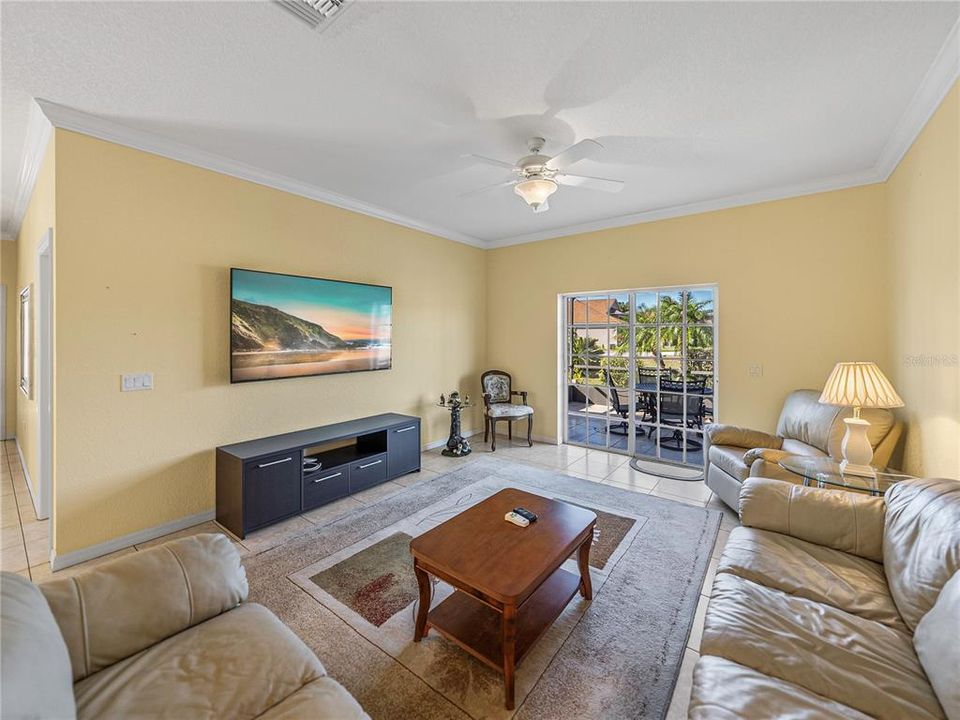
(456, 445)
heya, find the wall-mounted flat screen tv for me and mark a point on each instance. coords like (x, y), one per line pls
(292, 326)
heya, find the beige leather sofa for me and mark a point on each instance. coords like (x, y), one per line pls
(805, 427)
(829, 604)
(164, 633)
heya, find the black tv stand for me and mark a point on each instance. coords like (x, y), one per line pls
(260, 482)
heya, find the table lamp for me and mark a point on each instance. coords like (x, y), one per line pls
(858, 385)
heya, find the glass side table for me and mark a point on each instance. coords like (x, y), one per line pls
(824, 472)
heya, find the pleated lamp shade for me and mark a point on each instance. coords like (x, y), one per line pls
(861, 385)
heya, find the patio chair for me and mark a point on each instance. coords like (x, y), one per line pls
(620, 408)
(672, 406)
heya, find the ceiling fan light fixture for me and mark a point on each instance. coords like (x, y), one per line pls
(535, 191)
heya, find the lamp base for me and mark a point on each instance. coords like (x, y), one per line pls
(856, 449)
(849, 468)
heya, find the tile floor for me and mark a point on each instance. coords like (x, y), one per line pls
(26, 539)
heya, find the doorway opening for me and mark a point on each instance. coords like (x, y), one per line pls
(44, 381)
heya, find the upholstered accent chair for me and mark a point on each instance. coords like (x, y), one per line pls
(498, 394)
(806, 427)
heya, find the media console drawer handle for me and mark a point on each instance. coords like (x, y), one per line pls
(328, 477)
(412, 427)
(275, 462)
(371, 464)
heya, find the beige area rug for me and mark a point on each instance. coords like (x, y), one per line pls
(370, 586)
(348, 590)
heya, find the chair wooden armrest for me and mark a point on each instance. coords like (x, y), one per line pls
(521, 393)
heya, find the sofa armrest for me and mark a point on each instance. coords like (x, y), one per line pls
(122, 607)
(838, 519)
(765, 463)
(720, 434)
(764, 455)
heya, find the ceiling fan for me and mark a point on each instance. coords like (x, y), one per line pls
(537, 176)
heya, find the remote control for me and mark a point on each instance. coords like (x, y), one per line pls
(524, 513)
(517, 520)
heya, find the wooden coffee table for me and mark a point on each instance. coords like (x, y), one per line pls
(509, 583)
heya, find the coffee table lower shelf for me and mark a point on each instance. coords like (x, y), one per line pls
(477, 627)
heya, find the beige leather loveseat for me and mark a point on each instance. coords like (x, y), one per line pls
(163, 633)
(805, 427)
(829, 604)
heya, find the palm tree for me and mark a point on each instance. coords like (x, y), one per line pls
(671, 326)
(583, 351)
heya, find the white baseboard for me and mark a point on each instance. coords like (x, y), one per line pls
(536, 438)
(440, 443)
(26, 476)
(58, 562)
(471, 433)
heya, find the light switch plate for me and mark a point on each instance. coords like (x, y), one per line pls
(755, 370)
(136, 381)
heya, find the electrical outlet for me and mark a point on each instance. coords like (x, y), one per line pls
(136, 381)
(755, 370)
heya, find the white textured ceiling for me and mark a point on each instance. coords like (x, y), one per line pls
(692, 101)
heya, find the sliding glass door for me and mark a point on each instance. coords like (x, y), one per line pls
(639, 371)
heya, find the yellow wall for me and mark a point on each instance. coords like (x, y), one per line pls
(796, 294)
(143, 254)
(8, 277)
(143, 247)
(40, 217)
(923, 209)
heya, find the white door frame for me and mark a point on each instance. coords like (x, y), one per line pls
(563, 321)
(44, 383)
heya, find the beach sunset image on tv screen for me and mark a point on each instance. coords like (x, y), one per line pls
(290, 326)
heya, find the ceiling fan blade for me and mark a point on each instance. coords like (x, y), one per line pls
(490, 161)
(505, 183)
(543, 207)
(574, 153)
(592, 183)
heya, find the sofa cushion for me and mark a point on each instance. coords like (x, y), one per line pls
(849, 659)
(803, 418)
(730, 459)
(842, 520)
(34, 664)
(506, 409)
(810, 571)
(724, 690)
(321, 699)
(921, 543)
(237, 665)
(936, 642)
(123, 606)
(796, 447)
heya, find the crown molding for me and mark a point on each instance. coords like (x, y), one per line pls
(837, 182)
(44, 115)
(67, 118)
(35, 144)
(938, 81)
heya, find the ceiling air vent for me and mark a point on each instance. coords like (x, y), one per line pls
(316, 13)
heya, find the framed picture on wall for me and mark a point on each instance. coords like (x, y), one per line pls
(26, 342)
